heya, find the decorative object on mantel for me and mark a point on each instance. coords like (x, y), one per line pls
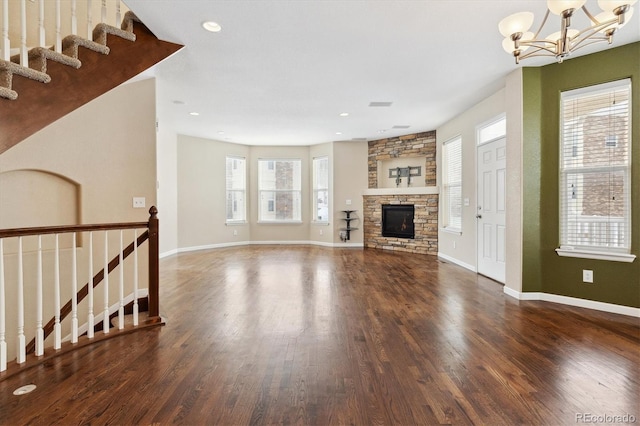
(614, 15)
(408, 172)
(345, 233)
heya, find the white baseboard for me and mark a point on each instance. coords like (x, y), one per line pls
(574, 301)
(456, 261)
(246, 243)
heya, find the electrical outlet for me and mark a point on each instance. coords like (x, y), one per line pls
(235, 232)
(348, 202)
(454, 244)
(321, 232)
(587, 276)
(139, 202)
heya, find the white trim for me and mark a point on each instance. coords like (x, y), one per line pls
(597, 255)
(413, 190)
(456, 261)
(247, 243)
(574, 301)
(279, 222)
(454, 231)
(236, 222)
(168, 253)
(142, 292)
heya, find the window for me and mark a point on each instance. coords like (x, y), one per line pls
(452, 184)
(279, 189)
(236, 189)
(595, 169)
(321, 189)
(492, 130)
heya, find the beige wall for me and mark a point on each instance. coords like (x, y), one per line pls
(350, 181)
(465, 125)
(106, 150)
(201, 193)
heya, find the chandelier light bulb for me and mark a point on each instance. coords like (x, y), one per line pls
(558, 6)
(516, 23)
(610, 5)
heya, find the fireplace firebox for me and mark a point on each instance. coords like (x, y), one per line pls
(397, 220)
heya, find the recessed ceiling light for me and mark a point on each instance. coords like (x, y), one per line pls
(401, 126)
(221, 132)
(380, 104)
(338, 133)
(381, 131)
(214, 27)
(344, 114)
(194, 113)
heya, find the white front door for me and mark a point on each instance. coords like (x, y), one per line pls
(491, 209)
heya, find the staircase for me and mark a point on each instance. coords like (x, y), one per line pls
(41, 85)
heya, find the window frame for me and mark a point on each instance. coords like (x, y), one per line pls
(446, 185)
(270, 165)
(316, 189)
(234, 159)
(567, 242)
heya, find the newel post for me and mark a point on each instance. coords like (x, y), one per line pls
(154, 263)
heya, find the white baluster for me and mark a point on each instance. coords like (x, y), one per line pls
(6, 44)
(74, 18)
(39, 329)
(105, 320)
(57, 329)
(24, 57)
(121, 287)
(21, 349)
(135, 277)
(89, 21)
(103, 12)
(3, 325)
(118, 14)
(90, 318)
(41, 31)
(58, 29)
(74, 289)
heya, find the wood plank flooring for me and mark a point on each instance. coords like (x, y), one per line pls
(319, 336)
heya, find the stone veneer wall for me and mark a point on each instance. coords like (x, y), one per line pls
(426, 205)
(425, 223)
(415, 145)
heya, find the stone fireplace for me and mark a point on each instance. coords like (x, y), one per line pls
(397, 220)
(396, 197)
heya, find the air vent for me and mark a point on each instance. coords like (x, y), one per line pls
(403, 126)
(380, 104)
(359, 139)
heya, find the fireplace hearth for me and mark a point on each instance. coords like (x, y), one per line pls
(397, 220)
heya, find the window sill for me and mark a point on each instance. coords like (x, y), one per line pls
(235, 222)
(279, 222)
(597, 255)
(319, 223)
(451, 231)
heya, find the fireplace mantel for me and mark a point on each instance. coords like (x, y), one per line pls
(417, 190)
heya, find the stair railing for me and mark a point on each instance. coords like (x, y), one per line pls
(39, 275)
(15, 36)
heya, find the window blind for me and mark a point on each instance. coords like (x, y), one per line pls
(452, 185)
(595, 167)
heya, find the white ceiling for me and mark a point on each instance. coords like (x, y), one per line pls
(280, 72)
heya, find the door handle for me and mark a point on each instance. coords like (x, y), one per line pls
(478, 216)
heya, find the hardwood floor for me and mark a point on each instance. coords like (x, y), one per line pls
(312, 335)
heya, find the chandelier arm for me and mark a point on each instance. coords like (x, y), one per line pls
(540, 45)
(589, 15)
(539, 51)
(593, 41)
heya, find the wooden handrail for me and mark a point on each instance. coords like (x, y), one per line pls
(42, 230)
(84, 291)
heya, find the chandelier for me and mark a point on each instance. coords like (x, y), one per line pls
(519, 39)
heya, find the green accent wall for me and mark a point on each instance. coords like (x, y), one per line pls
(543, 270)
